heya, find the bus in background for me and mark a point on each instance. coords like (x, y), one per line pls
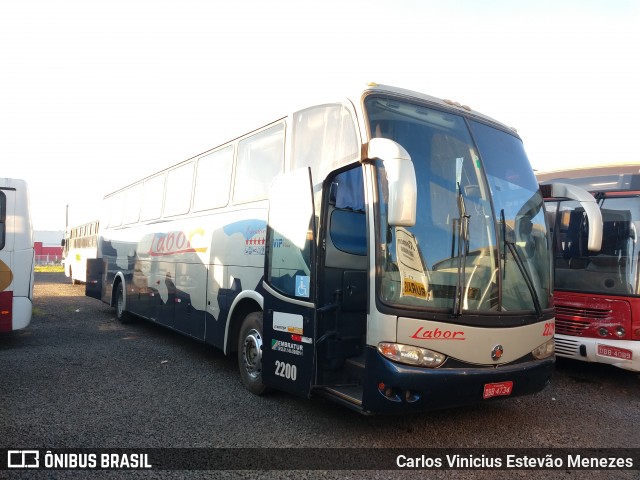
(79, 244)
(388, 251)
(597, 294)
(16, 255)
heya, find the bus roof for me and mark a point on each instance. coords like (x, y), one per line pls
(355, 99)
(441, 103)
(602, 177)
(12, 183)
(590, 170)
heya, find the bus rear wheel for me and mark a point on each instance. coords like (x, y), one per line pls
(250, 353)
(73, 280)
(121, 314)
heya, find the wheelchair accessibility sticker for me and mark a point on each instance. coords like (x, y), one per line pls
(302, 286)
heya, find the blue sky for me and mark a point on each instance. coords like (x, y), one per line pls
(95, 95)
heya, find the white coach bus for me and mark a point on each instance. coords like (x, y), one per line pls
(79, 244)
(16, 255)
(387, 251)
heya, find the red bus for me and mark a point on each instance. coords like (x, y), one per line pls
(597, 294)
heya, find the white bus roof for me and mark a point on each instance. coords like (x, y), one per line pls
(590, 170)
(355, 98)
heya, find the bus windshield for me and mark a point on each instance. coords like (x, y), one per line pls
(479, 242)
(614, 269)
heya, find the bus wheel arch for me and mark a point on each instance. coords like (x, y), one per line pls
(245, 303)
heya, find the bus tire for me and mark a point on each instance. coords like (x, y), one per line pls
(250, 353)
(121, 314)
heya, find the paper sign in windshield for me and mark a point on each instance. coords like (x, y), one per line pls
(412, 272)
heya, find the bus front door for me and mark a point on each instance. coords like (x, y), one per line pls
(289, 321)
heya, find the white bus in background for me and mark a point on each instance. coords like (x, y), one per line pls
(388, 251)
(79, 244)
(16, 255)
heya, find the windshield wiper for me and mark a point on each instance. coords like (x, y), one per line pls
(463, 248)
(504, 239)
(521, 266)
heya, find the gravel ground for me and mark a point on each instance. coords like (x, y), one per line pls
(76, 378)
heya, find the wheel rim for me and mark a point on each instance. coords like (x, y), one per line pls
(252, 353)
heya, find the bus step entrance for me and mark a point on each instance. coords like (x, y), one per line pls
(346, 384)
(350, 395)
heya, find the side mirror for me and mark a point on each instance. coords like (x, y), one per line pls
(573, 192)
(401, 177)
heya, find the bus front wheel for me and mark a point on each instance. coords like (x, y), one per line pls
(250, 353)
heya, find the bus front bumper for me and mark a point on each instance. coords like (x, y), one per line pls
(619, 353)
(394, 388)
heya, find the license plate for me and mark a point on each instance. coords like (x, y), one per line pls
(614, 352)
(497, 389)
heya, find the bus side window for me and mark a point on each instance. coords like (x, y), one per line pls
(260, 159)
(348, 231)
(133, 201)
(350, 190)
(153, 192)
(213, 180)
(179, 187)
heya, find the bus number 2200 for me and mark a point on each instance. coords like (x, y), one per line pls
(286, 370)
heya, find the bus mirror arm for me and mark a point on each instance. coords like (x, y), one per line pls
(591, 209)
(401, 179)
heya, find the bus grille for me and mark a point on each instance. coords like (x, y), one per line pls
(566, 347)
(570, 327)
(581, 312)
(575, 320)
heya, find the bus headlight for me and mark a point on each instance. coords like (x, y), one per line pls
(411, 355)
(545, 350)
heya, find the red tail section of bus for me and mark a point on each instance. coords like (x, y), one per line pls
(6, 311)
